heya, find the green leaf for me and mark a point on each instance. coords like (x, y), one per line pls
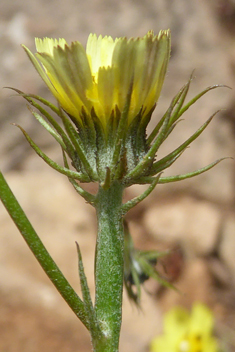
(40, 252)
(94, 327)
(51, 120)
(30, 97)
(175, 115)
(86, 195)
(52, 132)
(133, 202)
(55, 166)
(181, 148)
(190, 174)
(165, 164)
(192, 101)
(156, 130)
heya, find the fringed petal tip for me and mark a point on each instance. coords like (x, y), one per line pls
(72, 74)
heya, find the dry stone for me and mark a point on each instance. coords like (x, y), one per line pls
(227, 244)
(192, 223)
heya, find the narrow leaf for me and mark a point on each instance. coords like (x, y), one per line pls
(54, 108)
(29, 97)
(190, 174)
(51, 120)
(40, 252)
(182, 147)
(55, 166)
(52, 132)
(174, 101)
(164, 164)
(94, 327)
(86, 195)
(192, 101)
(133, 202)
(175, 115)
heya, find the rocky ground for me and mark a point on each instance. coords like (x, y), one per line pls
(194, 218)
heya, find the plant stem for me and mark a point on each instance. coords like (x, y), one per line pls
(109, 266)
(35, 244)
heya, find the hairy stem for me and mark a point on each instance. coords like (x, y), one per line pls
(109, 266)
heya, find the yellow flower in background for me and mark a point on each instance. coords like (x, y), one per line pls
(184, 332)
(101, 77)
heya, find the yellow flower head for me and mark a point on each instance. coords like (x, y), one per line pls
(187, 333)
(101, 77)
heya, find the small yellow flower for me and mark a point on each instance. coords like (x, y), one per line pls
(100, 77)
(187, 333)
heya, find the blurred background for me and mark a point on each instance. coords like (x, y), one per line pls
(193, 218)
